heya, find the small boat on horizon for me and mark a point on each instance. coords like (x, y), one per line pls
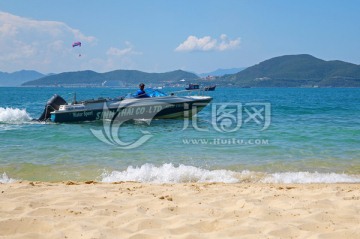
(210, 88)
(193, 87)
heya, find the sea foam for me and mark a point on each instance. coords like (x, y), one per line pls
(14, 115)
(5, 179)
(307, 177)
(168, 173)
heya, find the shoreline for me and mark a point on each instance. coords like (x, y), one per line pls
(170, 173)
(182, 210)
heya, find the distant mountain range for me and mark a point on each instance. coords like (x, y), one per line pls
(283, 71)
(222, 72)
(19, 77)
(121, 78)
(297, 71)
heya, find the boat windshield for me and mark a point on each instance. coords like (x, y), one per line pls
(150, 92)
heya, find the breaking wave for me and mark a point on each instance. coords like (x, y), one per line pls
(168, 173)
(14, 115)
(5, 179)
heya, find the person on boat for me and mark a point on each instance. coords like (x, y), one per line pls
(141, 92)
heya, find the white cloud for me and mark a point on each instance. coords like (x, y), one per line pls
(113, 51)
(118, 52)
(32, 44)
(227, 44)
(117, 58)
(193, 43)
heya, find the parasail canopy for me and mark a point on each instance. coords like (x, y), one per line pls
(76, 44)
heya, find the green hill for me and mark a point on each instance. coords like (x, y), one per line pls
(283, 71)
(112, 78)
(297, 71)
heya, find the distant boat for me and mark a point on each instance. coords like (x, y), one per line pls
(193, 87)
(210, 88)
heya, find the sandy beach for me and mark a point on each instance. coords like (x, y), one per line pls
(192, 210)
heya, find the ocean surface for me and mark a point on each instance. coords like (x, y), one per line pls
(265, 135)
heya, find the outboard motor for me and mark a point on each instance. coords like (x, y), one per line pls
(52, 105)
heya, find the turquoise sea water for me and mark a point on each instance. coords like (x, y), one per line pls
(313, 136)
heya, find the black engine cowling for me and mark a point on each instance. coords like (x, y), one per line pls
(52, 105)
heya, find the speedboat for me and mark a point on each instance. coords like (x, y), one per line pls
(192, 87)
(210, 88)
(158, 105)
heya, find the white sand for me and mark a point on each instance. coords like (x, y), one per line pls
(135, 210)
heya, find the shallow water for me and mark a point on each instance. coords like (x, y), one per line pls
(313, 135)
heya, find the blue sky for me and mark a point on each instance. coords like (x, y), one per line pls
(165, 35)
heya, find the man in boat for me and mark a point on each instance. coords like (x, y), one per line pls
(141, 92)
